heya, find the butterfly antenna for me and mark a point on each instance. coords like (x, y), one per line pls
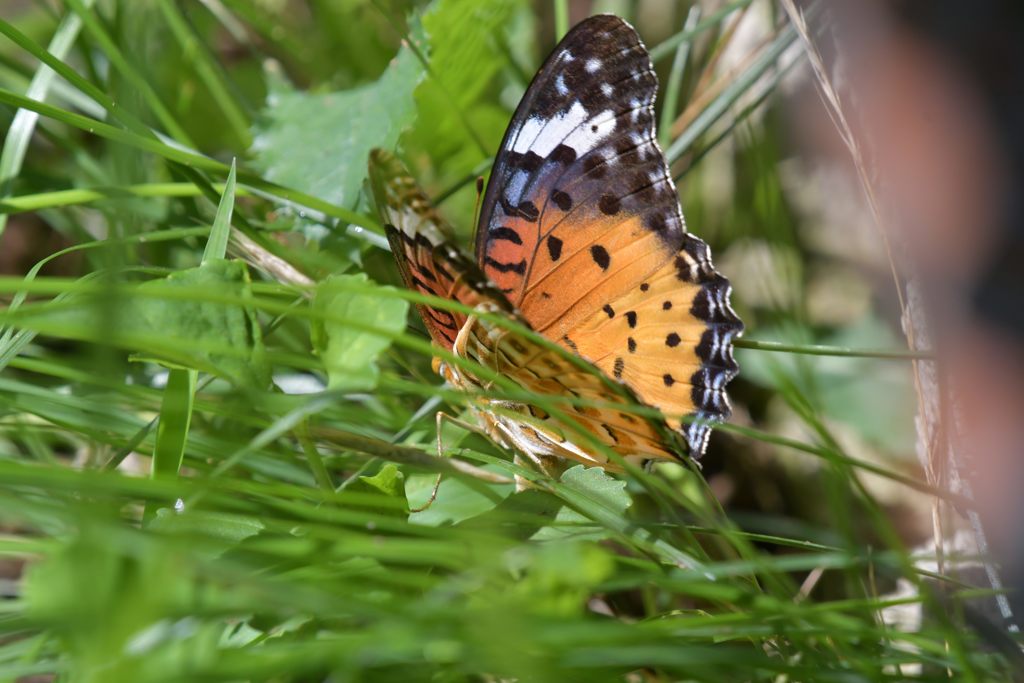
(479, 198)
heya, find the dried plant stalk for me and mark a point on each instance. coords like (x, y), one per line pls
(940, 444)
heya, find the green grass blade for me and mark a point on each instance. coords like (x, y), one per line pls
(88, 195)
(97, 33)
(172, 429)
(561, 18)
(824, 350)
(664, 49)
(19, 134)
(187, 158)
(675, 81)
(209, 71)
(217, 245)
(730, 95)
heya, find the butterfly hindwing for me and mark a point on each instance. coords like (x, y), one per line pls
(584, 402)
(581, 229)
(426, 257)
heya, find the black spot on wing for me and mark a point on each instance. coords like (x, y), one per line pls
(538, 413)
(529, 161)
(619, 366)
(519, 268)
(594, 167)
(563, 154)
(562, 200)
(609, 204)
(600, 256)
(683, 269)
(554, 247)
(506, 233)
(525, 209)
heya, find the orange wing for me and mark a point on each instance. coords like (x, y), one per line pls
(582, 400)
(430, 264)
(582, 230)
(420, 241)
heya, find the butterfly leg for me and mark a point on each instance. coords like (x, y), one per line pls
(468, 426)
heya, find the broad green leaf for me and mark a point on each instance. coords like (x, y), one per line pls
(320, 142)
(597, 485)
(460, 122)
(390, 481)
(348, 351)
(219, 532)
(457, 499)
(225, 339)
(382, 493)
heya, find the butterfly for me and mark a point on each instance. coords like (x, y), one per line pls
(581, 239)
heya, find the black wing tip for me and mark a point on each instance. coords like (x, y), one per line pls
(603, 21)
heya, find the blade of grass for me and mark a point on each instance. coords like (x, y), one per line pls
(822, 350)
(19, 134)
(561, 19)
(172, 429)
(729, 129)
(217, 245)
(189, 159)
(209, 71)
(667, 47)
(675, 80)
(12, 343)
(116, 112)
(733, 92)
(88, 195)
(128, 72)
(179, 393)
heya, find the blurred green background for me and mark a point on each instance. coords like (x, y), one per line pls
(213, 447)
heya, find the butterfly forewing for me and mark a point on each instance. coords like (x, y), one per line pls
(581, 229)
(670, 338)
(579, 203)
